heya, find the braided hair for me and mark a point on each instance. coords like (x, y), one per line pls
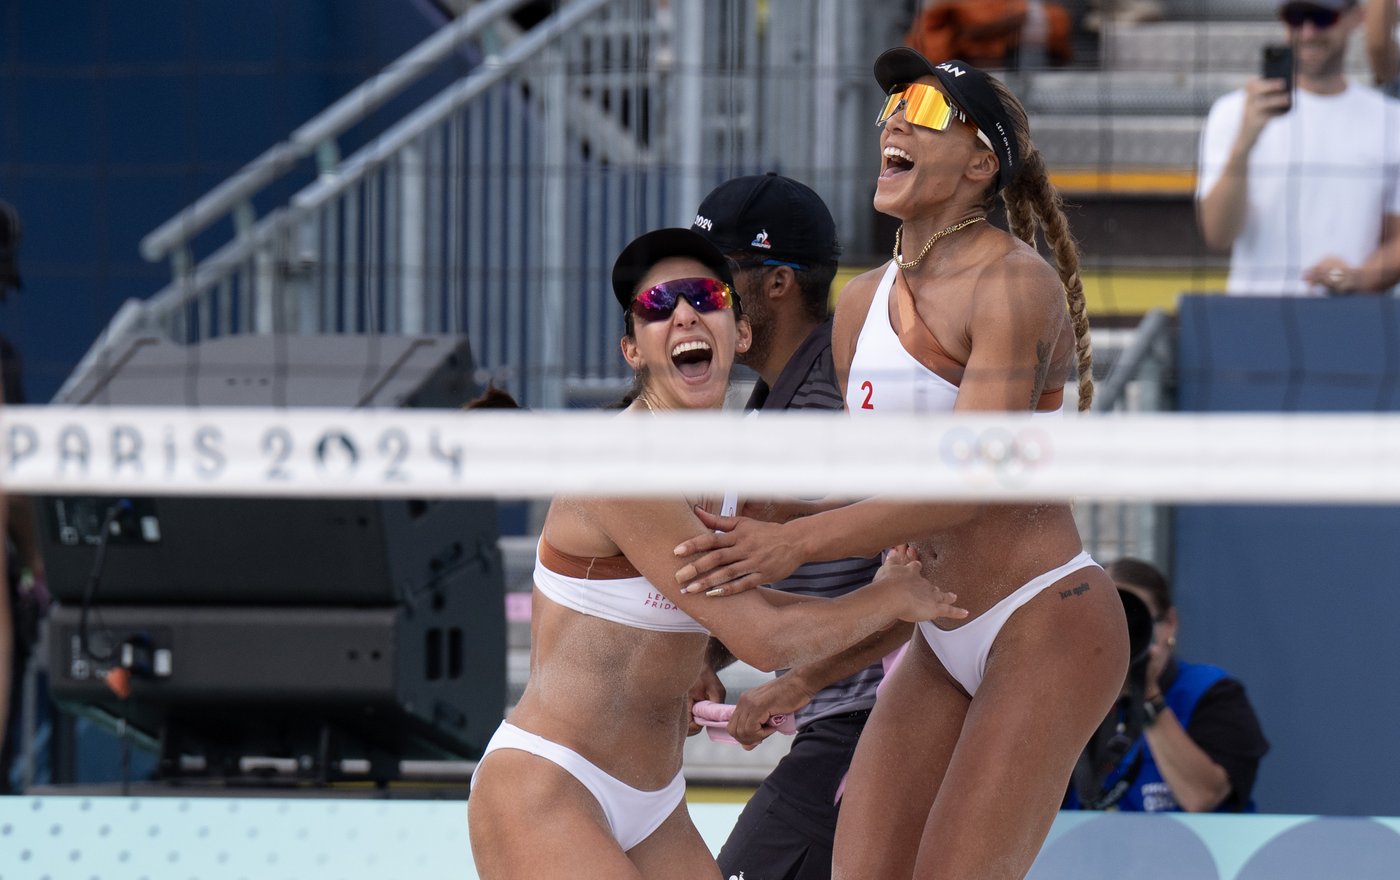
(1031, 197)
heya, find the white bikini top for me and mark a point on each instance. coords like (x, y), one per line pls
(886, 377)
(608, 587)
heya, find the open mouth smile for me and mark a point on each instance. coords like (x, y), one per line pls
(692, 359)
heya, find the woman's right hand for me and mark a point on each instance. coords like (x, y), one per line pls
(707, 687)
(916, 598)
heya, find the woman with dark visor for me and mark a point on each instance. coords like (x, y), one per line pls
(583, 779)
(965, 759)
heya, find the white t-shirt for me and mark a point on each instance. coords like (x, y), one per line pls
(1322, 177)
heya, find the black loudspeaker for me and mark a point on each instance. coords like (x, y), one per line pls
(355, 371)
(322, 638)
(259, 551)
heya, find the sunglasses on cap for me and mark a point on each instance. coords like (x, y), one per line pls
(1295, 15)
(704, 295)
(926, 106)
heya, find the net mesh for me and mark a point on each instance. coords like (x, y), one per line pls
(315, 452)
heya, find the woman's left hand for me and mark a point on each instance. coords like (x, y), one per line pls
(743, 554)
(706, 687)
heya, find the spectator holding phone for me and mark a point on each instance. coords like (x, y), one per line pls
(1302, 186)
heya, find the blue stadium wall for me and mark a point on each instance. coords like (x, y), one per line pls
(1301, 603)
(116, 115)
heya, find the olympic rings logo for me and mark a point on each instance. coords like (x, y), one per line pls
(996, 454)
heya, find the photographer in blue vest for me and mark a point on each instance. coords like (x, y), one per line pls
(1184, 736)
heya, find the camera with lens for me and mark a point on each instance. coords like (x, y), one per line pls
(1139, 631)
(1116, 735)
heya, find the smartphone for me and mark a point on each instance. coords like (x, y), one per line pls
(1278, 64)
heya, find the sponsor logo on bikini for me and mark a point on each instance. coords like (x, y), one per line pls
(657, 600)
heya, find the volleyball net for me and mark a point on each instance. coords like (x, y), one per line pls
(331, 452)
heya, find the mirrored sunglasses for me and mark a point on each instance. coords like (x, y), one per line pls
(925, 106)
(704, 295)
(1296, 14)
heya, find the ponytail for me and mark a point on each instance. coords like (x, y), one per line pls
(1032, 198)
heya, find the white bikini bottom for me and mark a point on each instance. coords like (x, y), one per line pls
(632, 814)
(963, 651)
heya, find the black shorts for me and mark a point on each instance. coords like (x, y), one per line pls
(786, 829)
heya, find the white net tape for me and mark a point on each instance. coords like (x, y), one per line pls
(1294, 458)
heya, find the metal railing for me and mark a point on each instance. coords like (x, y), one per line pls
(1141, 365)
(495, 208)
(412, 233)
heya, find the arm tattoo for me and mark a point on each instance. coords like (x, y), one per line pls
(1042, 370)
(1069, 594)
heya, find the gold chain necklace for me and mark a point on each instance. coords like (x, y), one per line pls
(898, 233)
(646, 403)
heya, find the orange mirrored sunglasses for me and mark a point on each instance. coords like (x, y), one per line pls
(925, 106)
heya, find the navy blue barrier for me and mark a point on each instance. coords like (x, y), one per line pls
(269, 839)
(1266, 354)
(1300, 603)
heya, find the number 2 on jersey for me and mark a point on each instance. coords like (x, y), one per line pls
(869, 390)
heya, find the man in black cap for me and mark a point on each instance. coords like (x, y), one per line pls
(781, 241)
(781, 244)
